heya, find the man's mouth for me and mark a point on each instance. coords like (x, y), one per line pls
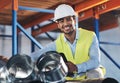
(67, 28)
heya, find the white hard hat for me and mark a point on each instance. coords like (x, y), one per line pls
(63, 10)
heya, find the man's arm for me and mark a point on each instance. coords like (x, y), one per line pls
(94, 60)
(50, 47)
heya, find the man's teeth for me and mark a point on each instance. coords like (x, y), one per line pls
(67, 28)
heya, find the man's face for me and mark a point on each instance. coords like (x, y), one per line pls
(66, 24)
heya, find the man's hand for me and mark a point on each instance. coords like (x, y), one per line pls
(71, 67)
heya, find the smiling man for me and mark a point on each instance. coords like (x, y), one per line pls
(79, 46)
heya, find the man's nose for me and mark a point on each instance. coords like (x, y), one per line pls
(65, 22)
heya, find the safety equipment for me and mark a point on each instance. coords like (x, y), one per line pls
(63, 11)
(61, 46)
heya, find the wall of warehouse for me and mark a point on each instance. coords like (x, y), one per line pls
(111, 35)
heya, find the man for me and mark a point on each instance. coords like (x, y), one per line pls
(80, 46)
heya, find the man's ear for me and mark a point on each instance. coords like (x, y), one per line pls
(74, 19)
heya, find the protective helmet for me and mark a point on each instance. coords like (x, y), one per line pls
(63, 10)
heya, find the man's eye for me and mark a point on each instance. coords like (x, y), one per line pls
(68, 19)
(60, 21)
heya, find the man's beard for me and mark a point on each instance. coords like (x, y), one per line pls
(69, 33)
(71, 30)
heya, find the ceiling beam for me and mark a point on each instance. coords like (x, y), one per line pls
(84, 6)
(86, 14)
(108, 6)
(4, 3)
(101, 9)
(38, 20)
(88, 4)
(107, 26)
(48, 16)
(44, 29)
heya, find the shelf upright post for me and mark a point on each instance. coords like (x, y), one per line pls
(96, 24)
(14, 27)
(97, 33)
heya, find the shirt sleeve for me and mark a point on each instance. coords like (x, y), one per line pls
(94, 60)
(50, 47)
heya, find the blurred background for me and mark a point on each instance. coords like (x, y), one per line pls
(35, 19)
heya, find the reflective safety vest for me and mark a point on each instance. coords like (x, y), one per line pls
(82, 48)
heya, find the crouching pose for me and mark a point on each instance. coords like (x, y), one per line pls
(80, 46)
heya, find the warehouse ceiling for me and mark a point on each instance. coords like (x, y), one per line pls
(107, 11)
